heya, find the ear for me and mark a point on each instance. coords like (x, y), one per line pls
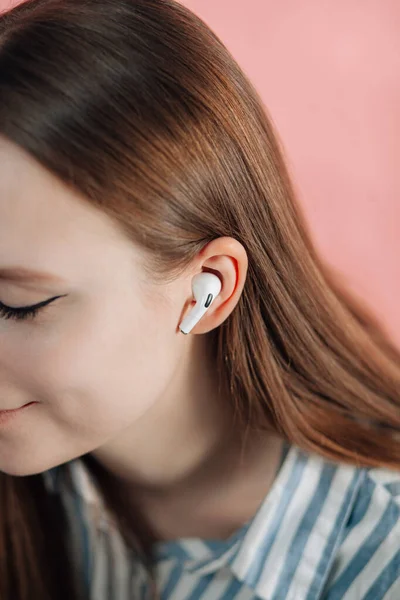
(226, 258)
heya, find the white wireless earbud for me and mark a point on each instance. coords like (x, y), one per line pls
(206, 287)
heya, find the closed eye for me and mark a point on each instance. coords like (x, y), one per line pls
(24, 312)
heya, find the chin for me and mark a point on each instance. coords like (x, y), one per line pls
(27, 466)
(22, 470)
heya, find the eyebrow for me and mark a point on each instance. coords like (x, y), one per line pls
(24, 275)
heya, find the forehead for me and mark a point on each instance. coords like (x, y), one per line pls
(43, 223)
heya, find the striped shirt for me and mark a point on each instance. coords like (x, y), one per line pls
(325, 531)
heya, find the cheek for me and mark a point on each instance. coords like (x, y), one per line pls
(92, 379)
(102, 377)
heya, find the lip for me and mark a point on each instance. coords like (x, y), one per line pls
(9, 415)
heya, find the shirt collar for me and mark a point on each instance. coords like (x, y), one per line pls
(291, 540)
(296, 532)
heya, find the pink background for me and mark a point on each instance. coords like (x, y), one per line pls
(329, 74)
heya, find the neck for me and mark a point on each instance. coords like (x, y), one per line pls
(186, 457)
(185, 431)
(212, 503)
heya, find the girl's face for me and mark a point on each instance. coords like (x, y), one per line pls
(96, 359)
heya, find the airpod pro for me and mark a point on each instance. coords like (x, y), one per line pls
(205, 287)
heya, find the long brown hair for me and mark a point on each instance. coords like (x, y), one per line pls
(138, 107)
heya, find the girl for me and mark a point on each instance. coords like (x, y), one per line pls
(256, 457)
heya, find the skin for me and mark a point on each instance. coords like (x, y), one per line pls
(107, 366)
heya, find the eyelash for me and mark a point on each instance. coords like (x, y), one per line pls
(23, 313)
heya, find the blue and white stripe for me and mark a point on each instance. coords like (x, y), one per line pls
(325, 531)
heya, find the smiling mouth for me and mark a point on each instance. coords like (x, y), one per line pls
(10, 410)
